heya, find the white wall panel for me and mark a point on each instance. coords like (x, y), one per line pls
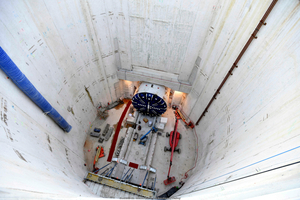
(67, 48)
(253, 124)
(55, 46)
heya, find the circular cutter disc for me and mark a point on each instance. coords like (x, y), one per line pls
(149, 104)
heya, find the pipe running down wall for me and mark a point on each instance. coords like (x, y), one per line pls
(253, 36)
(15, 74)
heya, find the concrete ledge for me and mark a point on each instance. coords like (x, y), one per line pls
(121, 185)
(168, 80)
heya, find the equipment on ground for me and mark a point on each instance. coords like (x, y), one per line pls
(101, 139)
(97, 130)
(175, 138)
(119, 146)
(99, 154)
(170, 149)
(93, 134)
(135, 137)
(181, 116)
(143, 142)
(152, 129)
(108, 134)
(105, 130)
(172, 135)
(145, 137)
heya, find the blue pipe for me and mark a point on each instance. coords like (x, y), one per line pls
(96, 171)
(15, 74)
(105, 171)
(130, 178)
(127, 178)
(125, 174)
(112, 170)
(129, 175)
(103, 167)
(154, 183)
(108, 171)
(145, 179)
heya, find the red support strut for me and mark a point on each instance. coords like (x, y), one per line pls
(113, 145)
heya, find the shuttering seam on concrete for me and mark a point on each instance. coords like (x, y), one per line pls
(121, 185)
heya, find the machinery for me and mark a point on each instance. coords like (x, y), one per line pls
(145, 137)
(150, 99)
(174, 138)
(178, 137)
(93, 134)
(135, 136)
(179, 115)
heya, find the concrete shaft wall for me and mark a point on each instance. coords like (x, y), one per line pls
(253, 125)
(72, 50)
(67, 55)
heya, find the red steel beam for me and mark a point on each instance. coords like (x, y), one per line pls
(113, 144)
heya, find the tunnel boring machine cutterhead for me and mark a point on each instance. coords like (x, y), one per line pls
(150, 99)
